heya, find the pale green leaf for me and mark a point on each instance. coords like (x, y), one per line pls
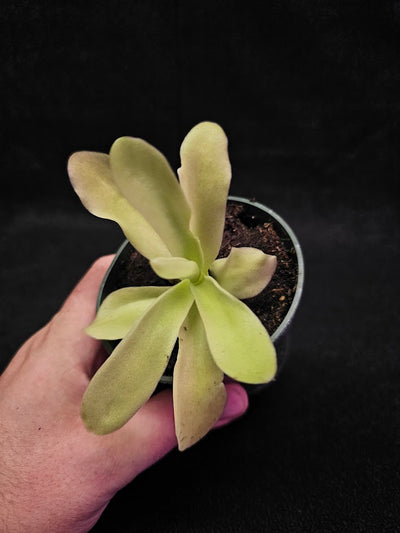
(147, 181)
(238, 341)
(121, 309)
(90, 175)
(205, 176)
(175, 268)
(129, 376)
(245, 272)
(198, 389)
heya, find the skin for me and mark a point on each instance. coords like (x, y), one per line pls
(54, 474)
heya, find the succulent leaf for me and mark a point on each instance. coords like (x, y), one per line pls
(205, 176)
(129, 376)
(120, 311)
(91, 177)
(245, 272)
(239, 343)
(198, 390)
(145, 178)
(175, 268)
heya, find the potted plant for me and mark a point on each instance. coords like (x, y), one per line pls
(176, 229)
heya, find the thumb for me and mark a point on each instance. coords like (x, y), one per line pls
(77, 313)
(79, 308)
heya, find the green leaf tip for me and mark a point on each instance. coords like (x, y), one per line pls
(91, 177)
(205, 176)
(239, 343)
(120, 311)
(245, 272)
(198, 390)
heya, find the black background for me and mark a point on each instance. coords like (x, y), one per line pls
(308, 94)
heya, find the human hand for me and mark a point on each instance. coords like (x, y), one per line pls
(55, 476)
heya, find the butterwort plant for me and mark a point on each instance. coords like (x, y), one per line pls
(178, 226)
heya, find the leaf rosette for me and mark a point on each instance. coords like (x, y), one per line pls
(178, 226)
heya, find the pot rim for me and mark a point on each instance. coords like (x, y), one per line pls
(283, 326)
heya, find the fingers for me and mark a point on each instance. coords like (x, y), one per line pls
(150, 434)
(236, 404)
(155, 421)
(145, 439)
